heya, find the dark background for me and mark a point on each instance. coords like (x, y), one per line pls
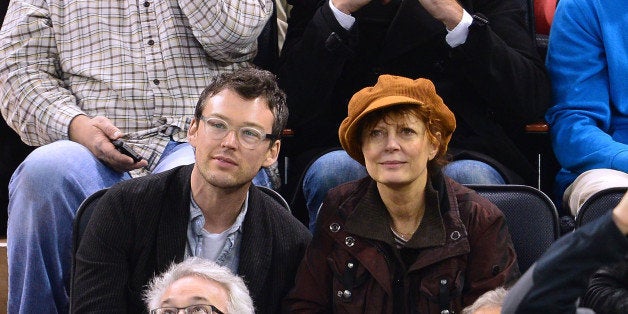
(12, 152)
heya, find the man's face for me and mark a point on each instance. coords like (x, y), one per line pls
(225, 162)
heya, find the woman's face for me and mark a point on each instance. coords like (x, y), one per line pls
(396, 151)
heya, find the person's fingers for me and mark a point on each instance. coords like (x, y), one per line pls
(118, 161)
(620, 214)
(107, 127)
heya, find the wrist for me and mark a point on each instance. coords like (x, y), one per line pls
(76, 126)
(621, 222)
(452, 20)
(341, 7)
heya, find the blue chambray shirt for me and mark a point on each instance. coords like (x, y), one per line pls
(229, 256)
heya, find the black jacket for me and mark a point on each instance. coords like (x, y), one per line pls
(139, 229)
(555, 282)
(608, 290)
(495, 83)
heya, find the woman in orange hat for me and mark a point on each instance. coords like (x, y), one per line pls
(405, 239)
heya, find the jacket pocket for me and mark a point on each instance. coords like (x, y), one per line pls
(350, 285)
(442, 290)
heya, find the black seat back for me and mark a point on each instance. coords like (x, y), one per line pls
(531, 217)
(83, 214)
(599, 204)
(275, 195)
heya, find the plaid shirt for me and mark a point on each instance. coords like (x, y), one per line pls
(142, 64)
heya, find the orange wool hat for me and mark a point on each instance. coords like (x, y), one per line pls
(390, 91)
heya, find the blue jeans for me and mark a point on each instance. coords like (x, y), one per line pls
(44, 193)
(326, 172)
(335, 168)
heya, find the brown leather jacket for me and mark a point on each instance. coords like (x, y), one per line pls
(461, 250)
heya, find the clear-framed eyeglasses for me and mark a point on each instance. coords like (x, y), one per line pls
(192, 309)
(249, 137)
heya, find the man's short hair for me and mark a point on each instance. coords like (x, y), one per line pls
(239, 299)
(250, 83)
(493, 298)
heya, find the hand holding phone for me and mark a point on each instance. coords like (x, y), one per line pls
(125, 149)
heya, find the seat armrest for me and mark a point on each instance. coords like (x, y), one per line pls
(537, 127)
(287, 133)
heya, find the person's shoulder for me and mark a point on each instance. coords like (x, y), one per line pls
(580, 2)
(269, 205)
(462, 193)
(346, 189)
(152, 189)
(267, 200)
(151, 182)
(583, 7)
(341, 200)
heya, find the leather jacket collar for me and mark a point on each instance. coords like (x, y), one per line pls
(371, 220)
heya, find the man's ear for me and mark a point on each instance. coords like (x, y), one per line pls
(193, 132)
(272, 153)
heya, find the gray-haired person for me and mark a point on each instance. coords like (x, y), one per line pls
(198, 285)
(488, 303)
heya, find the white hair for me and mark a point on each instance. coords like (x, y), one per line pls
(492, 298)
(239, 299)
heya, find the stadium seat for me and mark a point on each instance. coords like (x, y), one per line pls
(531, 217)
(599, 204)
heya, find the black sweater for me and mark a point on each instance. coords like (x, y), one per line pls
(139, 229)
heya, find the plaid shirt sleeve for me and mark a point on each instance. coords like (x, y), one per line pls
(142, 64)
(34, 99)
(226, 28)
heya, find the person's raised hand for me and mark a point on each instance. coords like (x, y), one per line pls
(96, 134)
(350, 6)
(620, 214)
(447, 11)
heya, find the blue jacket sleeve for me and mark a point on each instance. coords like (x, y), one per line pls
(590, 101)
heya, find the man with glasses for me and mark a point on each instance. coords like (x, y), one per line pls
(209, 209)
(76, 75)
(198, 286)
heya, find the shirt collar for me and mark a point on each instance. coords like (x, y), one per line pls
(195, 211)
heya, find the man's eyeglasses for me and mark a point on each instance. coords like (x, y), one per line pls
(248, 136)
(192, 309)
